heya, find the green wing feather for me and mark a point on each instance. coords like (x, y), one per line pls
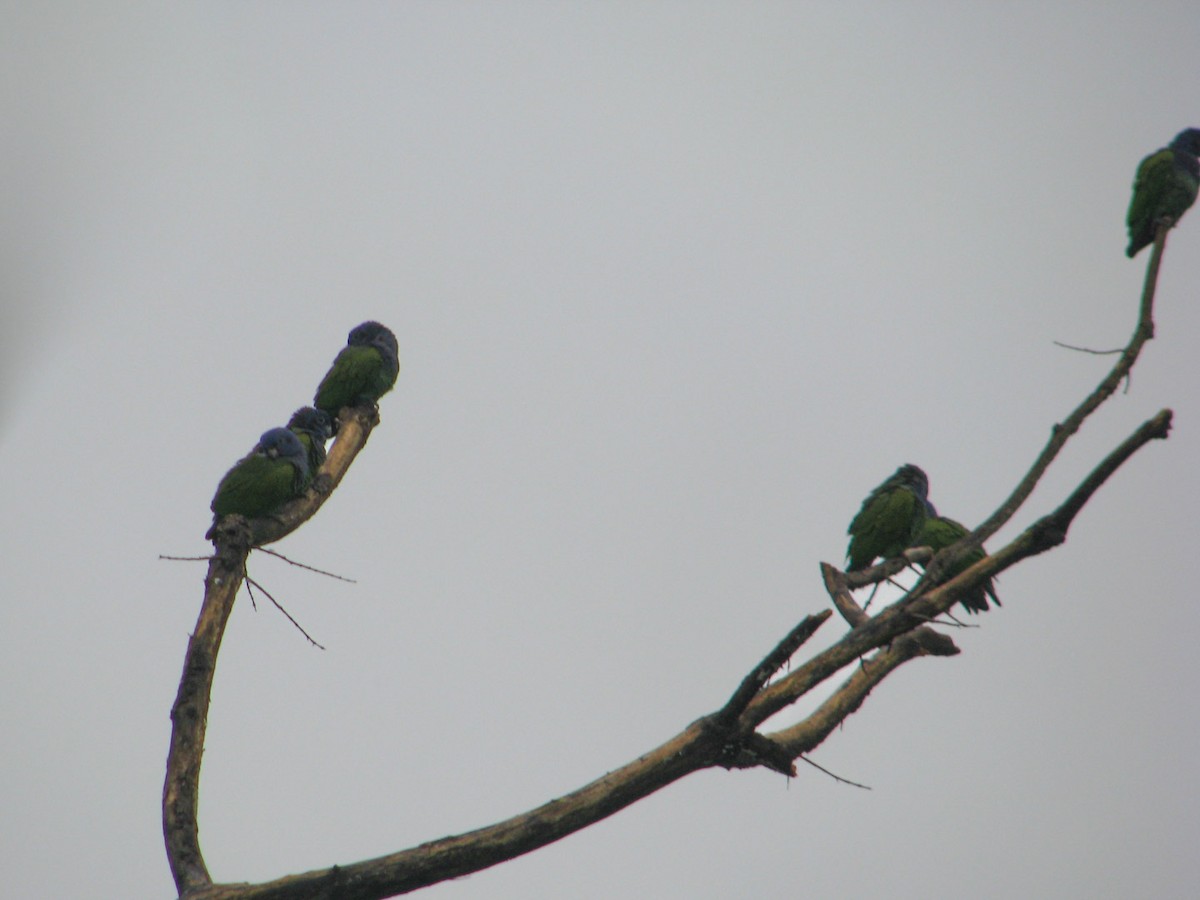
(1150, 185)
(938, 533)
(1162, 188)
(886, 526)
(358, 375)
(257, 486)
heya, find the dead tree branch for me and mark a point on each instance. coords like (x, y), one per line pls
(233, 539)
(1143, 331)
(731, 737)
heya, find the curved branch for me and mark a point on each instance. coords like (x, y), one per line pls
(354, 428)
(1044, 534)
(839, 591)
(233, 539)
(1143, 331)
(714, 740)
(915, 609)
(808, 734)
(726, 738)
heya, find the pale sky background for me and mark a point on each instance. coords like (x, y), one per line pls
(675, 285)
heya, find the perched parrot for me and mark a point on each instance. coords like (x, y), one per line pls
(274, 472)
(1164, 188)
(314, 428)
(890, 519)
(939, 532)
(363, 371)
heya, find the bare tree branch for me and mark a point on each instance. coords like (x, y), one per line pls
(774, 661)
(1044, 534)
(807, 735)
(233, 538)
(728, 738)
(1059, 435)
(720, 739)
(839, 592)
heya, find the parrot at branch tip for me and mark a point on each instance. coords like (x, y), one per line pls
(273, 473)
(1165, 187)
(314, 428)
(362, 372)
(938, 533)
(890, 519)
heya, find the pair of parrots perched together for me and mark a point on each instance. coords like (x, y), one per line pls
(284, 461)
(898, 515)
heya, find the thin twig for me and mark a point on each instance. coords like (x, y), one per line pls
(865, 787)
(1088, 349)
(936, 620)
(1143, 331)
(250, 582)
(300, 565)
(871, 596)
(250, 589)
(185, 558)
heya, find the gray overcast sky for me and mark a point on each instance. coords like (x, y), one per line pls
(675, 285)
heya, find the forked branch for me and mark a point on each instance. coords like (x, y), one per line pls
(1143, 331)
(731, 737)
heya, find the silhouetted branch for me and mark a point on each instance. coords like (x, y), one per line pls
(233, 538)
(727, 738)
(772, 663)
(1059, 435)
(1044, 534)
(807, 735)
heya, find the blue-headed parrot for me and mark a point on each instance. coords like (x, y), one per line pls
(362, 372)
(314, 428)
(273, 473)
(1165, 187)
(890, 519)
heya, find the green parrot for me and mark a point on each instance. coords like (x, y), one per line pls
(890, 519)
(273, 473)
(314, 428)
(1165, 187)
(363, 371)
(939, 532)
